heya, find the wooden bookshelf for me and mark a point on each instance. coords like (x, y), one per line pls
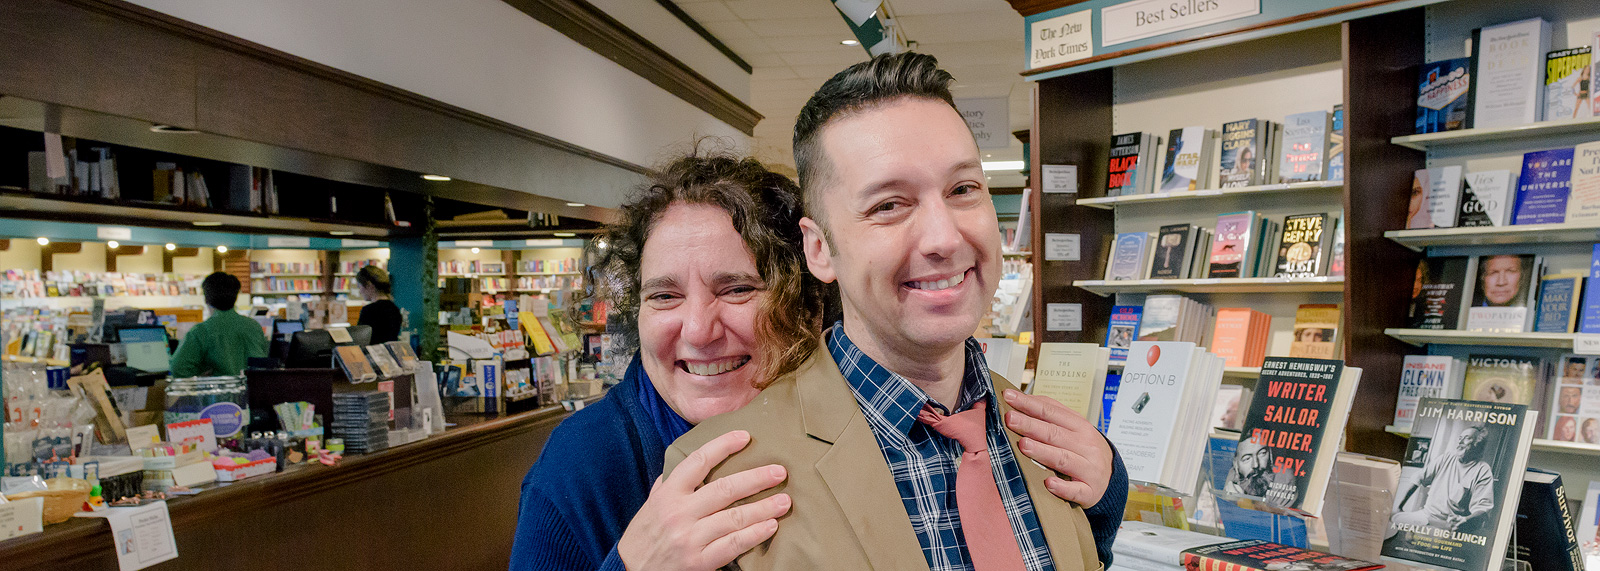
(1530, 133)
(1109, 202)
(1539, 444)
(1215, 285)
(1421, 337)
(1500, 235)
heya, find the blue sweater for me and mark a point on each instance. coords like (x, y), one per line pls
(596, 471)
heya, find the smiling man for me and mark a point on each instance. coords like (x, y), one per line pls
(895, 436)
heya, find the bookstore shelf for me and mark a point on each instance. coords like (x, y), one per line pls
(1215, 285)
(24, 203)
(548, 274)
(1420, 337)
(1526, 234)
(1017, 254)
(287, 275)
(1227, 372)
(1531, 131)
(1108, 202)
(1541, 444)
(306, 292)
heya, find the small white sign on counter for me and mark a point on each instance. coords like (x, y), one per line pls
(1063, 317)
(21, 517)
(142, 536)
(1059, 179)
(1062, 247)
(1586, 344)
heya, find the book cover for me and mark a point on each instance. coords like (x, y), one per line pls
(1285, 458)
(1419, 215)
(1501, 378)
(355, 364)
(1423, 376)
(1185, 149)
(1508, 73)
(1232, 242)
(1316, 329)
(1230, 338)
(1503, 289)
(1543, 187)
(1147, 406)
(1443, 95)
(1589, 519)
(1336, 264)
(1066, 372)
(1589, 321)
(1174, 246)
(1567, 84)
(1575, 400)
(1583, 199)
(1159, 543)
(1486, 199)
(1336, 143)
(1127, 256)
(1546, 536)
(1305, 142)
(1123, 330)
(1123, 164)
(1238, 163)
(379, 356)
(1108, 398)
(1300, 250)
(1233, 401)
(1160, 319)
(1444, 195)
(1460, 479)
(1436, 296)
(1262, 555)
(1558, 296)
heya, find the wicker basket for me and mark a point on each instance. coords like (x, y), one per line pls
(64, 498)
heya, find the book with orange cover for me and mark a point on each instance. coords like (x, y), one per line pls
(1240, 336)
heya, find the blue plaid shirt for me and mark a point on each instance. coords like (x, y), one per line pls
(924, 462)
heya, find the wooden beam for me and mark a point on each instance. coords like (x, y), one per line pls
(113, 253)
(48, 251)
(5, 244)
(1072, 121)
(167, 256)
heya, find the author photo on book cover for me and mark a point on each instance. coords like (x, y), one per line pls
(1454, 491)
(1502, 281)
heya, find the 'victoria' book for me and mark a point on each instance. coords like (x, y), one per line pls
(1460, 481)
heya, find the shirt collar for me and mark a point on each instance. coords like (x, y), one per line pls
(667, 422)
(898, 399)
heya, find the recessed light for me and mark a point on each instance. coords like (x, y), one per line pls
(435, 177)
(222, 249)
(849, 42)
(576, 204)
(341, 233)
(43, 241)
(159, 128)
(113, 245)
(475, 250)
(171, 246)
(563, 234)
(206, 223)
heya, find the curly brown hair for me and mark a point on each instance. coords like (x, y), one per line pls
(766, 209)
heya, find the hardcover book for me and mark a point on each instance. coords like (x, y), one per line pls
(1128, 256)
(1574, 408)
(1240, 159)
(1508, 73)
(1486, 199)
(1336, 143)
(1583, 200)
(1153, 422)
(1589, 519)
(1547, 538)
(1174, 248)
(1444, 195)
(1287, 432)
(1305, 143)
(1423, 376)
(1459, 483)
(1501, 378)
(1316, 331)
(1160, 320)
(355, 364)
(1543, 187)
(1124, 165)
(1436, 296)
(1502, 292)
(1123, 330)
(1567, 84)
(1261, 555)
(1185, 159)
(1240, 336)
(1069, 373)
(1336, 264)
(1301, 249)
(1558, 296)
(1232, 243)
(1590, 321)
(1158, 543)
(1444, 96)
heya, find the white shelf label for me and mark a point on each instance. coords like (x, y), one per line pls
(1586, 344)
(1062, 247)
(113, 233)
(288, 242)
(1063, 317)
(1059, 179)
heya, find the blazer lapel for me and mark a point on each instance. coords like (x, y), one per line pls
(854, 468)
(1055, 515)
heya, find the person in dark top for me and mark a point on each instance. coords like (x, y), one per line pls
(380, 313)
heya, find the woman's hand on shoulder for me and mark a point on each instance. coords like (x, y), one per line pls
(1064, 441)
(684, 525)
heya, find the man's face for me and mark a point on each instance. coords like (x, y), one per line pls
(1574, 370)
(1571, 397)
(1252, 459)
(913, 239)
(1470, 443)
(1591, 431)
(1502, 277)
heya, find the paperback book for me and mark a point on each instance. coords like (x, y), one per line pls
(1123, 330)
(1240, 159)
(1567, 84)
(1301, 250)
(1502, 291)
(1574, 409)
(1486, 200)
(1305, 143)
(1508, 73)
(1174, 253)
(1543, 188)
(1444, 96)
(1437, 294)
(1240, 336)
(1316, 331)
(1501, 378)
(1293, 431)
(1423, 376)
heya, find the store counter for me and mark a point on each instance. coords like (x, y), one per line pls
(447, 502)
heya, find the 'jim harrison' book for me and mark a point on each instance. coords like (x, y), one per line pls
(1296, 418)
(1300, 253)
(1261, 555)
(1444, 96)
(1460, 480)
(1437, 295)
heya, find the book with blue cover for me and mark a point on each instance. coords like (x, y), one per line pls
(1590, 322)
(1444, 96)
(1303, 155)
(1543, 187)
(1128, 256)
(1108, 397)
(1123, 330)
(1558, 294)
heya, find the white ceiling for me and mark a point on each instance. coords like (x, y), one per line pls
(793, 46)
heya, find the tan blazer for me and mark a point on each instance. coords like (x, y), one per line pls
(847, 512)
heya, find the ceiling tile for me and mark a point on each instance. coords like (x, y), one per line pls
(964, 27)
(747, 46)
(767, 59)
(707, 12)
(764, 74)
(838, 58)
(903, 8)
(729, 30)
(762, 9)
(834, 27)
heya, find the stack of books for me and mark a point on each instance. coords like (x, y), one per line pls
(362, 420)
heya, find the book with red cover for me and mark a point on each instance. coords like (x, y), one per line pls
(1255, 554)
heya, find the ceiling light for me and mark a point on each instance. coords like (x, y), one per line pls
(222, 249)
(112, 245)
(159, 128)
(576, 204)
(849, 42)
(43, 241)
(475, 250)
(563, 234)
(1002, 165)
(171, 246)
(341, 233)
(206, 223)
(435, 177)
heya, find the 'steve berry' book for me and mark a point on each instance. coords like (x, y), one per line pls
(1231, 247)
(1436, 300)
(1123, 330)
(1300, 253)
(1460, 480)
(1305, 144)
(1543, 187)
(1444, 96)
(1292, 432)
(1261, 555)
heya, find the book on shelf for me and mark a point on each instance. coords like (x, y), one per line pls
(1557, 306)
(1122, 330)
(1305, 142)
(1243, 144)
(1235, 242)
(355, 364)
(1567, 84)
(1129, 169)
(1421, 376)
(1316, 331)
(1574, 411)
(1589, 316)
(1174, 251)
(1169, 317)
(1508, 73)
(1583, 198)
(1441, 188)
(1501, 378)
(1303, 247)
(1336, 143)
(1233, 401)
(1158, 421)
(1444, 96)
(1240, 336)
(1188, 159)
(1336, 260)
(1108, 398)
(1131, 254)
(1003, 356)
(1438, 293)
(1502, 293)
(1292, 432)
(1148, 543)
(1485, 199)
(1070, 373)
(1543, 188)
(1546, 537)
(1459, 483)
(1589, 521)
(1262, 555)
(1361, 495)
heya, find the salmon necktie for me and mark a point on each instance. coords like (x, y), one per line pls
(984, 525)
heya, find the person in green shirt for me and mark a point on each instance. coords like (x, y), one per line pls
(223, 343)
